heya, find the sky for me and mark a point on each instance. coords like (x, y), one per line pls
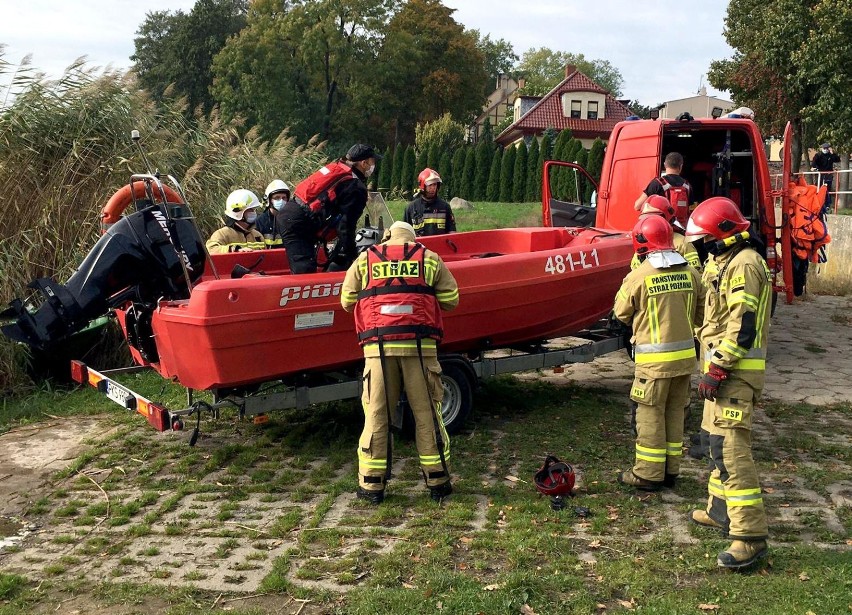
(662, 49)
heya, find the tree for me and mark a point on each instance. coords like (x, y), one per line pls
(434, 156)
(584, 188)
(427, 66)
(408, 174)
(458, 172)
(640, 110)
(467, 188)
(422, 160)
(299, 65)
(483, 166)
(396, 169)
(500, 58)
(385, 168)
(595, 162)
(444, 132)
(559, 178)
(506, 169)
(544, 68)
(769, 71)
(178, 48)
(543, 150)
(445, 170)
(519, 173)
(533, 192)
(548, 139)
(492, 194)
(487, 131)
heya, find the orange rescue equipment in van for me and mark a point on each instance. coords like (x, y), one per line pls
(808, 229)
(118, 202)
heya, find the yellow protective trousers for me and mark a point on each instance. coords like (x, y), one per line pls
(659, 425)
(734, 501)
(424, 397)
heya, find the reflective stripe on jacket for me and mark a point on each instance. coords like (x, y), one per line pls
(662, 306)
(736, 318)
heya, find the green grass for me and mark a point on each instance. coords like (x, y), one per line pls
(486, 215)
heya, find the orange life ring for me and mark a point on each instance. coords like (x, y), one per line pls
(118, 202)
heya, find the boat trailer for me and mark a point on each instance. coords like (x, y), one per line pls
(460, 374)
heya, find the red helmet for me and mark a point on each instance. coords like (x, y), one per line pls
(428, 177)
(652, 234)
(718, 217)
(657, 204)
(555, 477)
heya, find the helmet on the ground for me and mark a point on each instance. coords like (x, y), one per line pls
(717, 217)
(428, 177)
(657, 204)
(276, 185)
(651, 234)
(239, 202)
(555, 477)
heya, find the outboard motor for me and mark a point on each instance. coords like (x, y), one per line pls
(143, 257)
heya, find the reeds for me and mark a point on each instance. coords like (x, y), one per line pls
(65, 148)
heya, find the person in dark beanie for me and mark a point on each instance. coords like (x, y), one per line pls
(327, 205)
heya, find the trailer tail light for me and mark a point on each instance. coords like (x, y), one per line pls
(79, 372)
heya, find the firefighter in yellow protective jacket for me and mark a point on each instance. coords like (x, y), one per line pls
(657, 205)
(733, 343)
(662, 300)
(239, 233)
(397, 290)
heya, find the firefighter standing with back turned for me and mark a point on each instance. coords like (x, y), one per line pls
(662, 300)
(733, 343)
(397, 290)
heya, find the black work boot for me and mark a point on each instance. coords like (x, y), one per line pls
(439, 492)
(631, 480)
(670, 481)
(373, 497)
(742, 553)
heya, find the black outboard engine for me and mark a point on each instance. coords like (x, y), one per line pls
(143, 257)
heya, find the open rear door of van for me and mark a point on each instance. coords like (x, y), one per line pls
(786, 216)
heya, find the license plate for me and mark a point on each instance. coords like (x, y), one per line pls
(118, 394)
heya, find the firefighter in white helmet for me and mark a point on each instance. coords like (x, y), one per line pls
(733, 344)
(239, 233)
(662, 301)
(397, 290)
(275, 196)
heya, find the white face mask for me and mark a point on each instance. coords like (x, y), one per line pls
(369, 170)
(251, 217)
(825, 150)
(278, 204)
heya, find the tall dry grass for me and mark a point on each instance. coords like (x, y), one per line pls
(65, 148)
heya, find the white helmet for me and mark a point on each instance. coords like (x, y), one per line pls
(240, 201)
(276, 185)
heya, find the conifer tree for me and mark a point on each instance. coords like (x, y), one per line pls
(507, 167)
(422, 162)
(483, 166)
(543, 154)
(384, 173)
(396, 168)
(407, 175)
(571, 176)
(519, 173)
(433, 157)
(596, 156)
(533, 192)
(584, 188)
(466, 191)
(445, 171)
(492, 194)
(457, 170)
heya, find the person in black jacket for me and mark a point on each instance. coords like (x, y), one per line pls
(428, 213)
(302, 229)
(824, 161)
(275, 196)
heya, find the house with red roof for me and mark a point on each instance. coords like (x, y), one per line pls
(577, 103)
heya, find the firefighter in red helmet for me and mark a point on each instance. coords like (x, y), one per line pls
(733, 341)
(397, 290)
(428, 213)
(662, 301)
(657, 205)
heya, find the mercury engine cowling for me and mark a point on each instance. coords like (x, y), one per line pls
(138, 258)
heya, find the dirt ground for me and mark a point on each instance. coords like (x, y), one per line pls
(197, 535)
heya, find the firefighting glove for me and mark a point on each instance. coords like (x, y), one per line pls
(615, 326)
(708, 386)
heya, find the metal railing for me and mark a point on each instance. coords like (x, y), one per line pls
(818, 179)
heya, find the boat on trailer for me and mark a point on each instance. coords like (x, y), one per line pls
(229, 322)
